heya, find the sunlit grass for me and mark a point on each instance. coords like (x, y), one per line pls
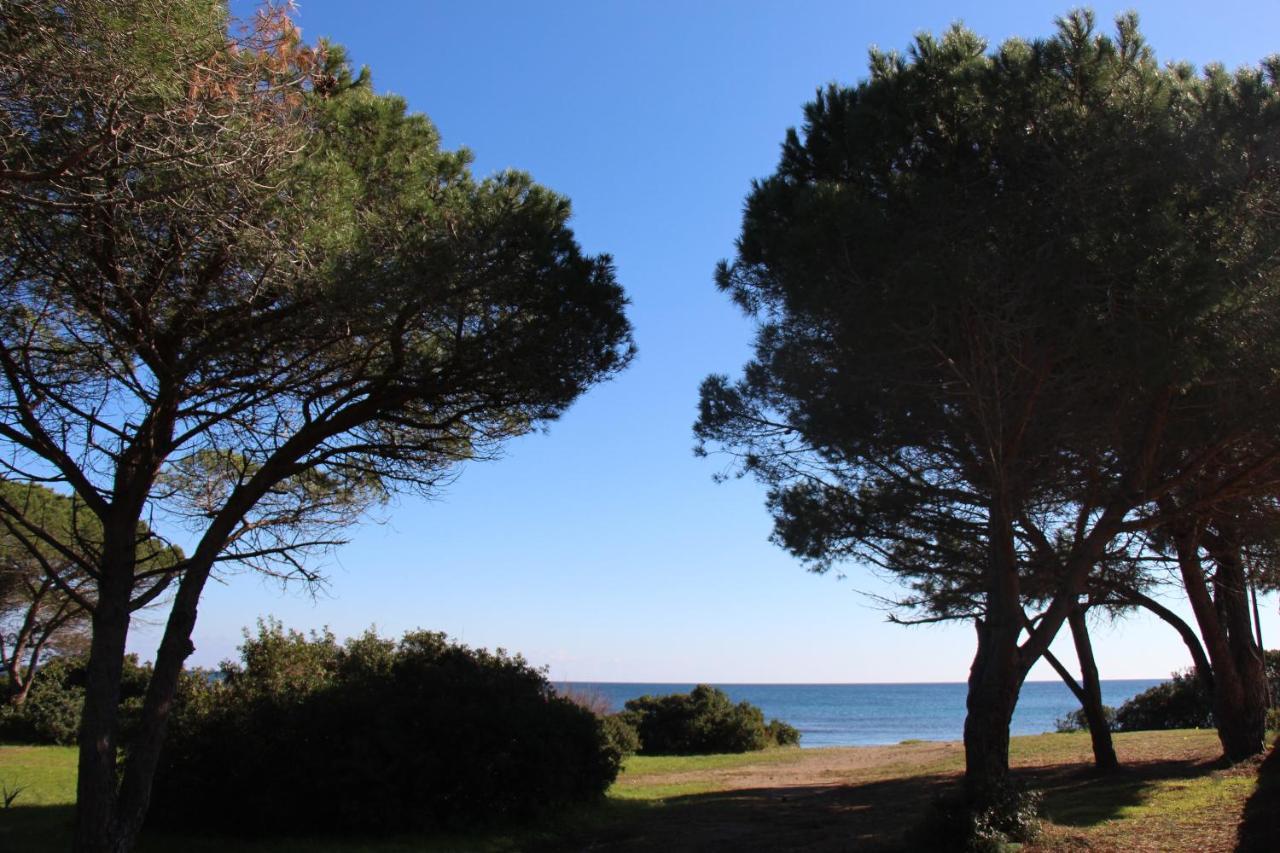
(45, 775)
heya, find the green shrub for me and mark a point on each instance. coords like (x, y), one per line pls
(620, 734)
(376, 736)
(952, 826)
(783, 734)
(1077, 721)
(51, 712)
(701, 722)
(1181, 703)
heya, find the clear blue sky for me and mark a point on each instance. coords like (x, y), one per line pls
(602, 548)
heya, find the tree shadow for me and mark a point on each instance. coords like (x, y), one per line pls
(37, 828)
(1081, 796)
(876, 816)
(1259, 830)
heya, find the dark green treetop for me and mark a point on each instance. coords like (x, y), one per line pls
(1007, 302)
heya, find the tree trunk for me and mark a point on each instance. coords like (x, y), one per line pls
(1249, 712)
(1204, 672)
(996, 674)
(1239, 682)
(1104, 752)
(175, 647)
(99, 722)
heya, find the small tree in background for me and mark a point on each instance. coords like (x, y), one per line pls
(45, 595)
(703, 721)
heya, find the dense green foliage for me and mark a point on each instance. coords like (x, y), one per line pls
(388, 736)
(1009, 300)
(1183, 702)
(703, 721)
(1180, 703)
(783, 733)
(51, 712)
(621, 733)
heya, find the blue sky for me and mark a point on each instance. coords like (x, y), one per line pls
(602, 548)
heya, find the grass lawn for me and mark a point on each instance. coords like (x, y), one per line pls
(1173, 794)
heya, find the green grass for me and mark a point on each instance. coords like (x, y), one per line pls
(40, 815)
(639, 766)
(1163, 798)
(46, 774)
(648, 778)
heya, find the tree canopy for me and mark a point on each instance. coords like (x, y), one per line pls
(244, 294)
(1008, 303)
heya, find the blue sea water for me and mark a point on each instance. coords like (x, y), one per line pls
(868, 714)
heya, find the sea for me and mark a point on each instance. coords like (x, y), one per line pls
(874, 714)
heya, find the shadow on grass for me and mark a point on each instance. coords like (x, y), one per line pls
(872, 816)
(1260, 827)
(549, 834)
(36, 828)
(1081, 796)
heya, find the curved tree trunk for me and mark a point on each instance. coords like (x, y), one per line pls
(1203, 670)
(1104, 752)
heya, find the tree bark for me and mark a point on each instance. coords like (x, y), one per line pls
(996, 674)
(1104, 752)
(1204, 671)
(175, 648)
(1248, 720)
(99, 722)
(1239, 682)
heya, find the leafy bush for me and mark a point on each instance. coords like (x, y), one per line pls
(376, 736)
(621, 735)
(952, 825)
(700, 722)
(783, 734)
(1076, 721)
(1181, 703)
(51, 712)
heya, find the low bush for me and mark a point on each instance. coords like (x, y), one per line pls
(701, 722)
(620, 733)
(50, 714)
(952, 825)
(310, 735)
(1077, 721)
(783, 734)
(1181, 703)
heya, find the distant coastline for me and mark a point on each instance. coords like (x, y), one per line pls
(877, 714)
